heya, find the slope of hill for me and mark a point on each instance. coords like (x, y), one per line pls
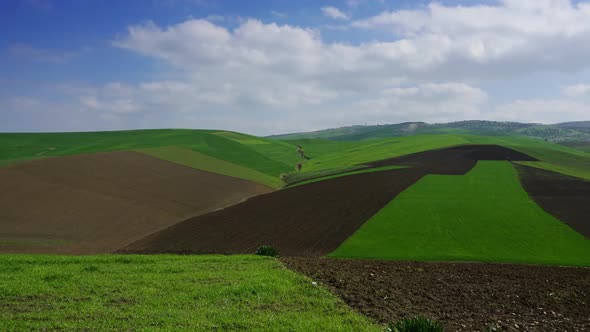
(262, 155)
(559, 132)
(97, 203)
(329, 156)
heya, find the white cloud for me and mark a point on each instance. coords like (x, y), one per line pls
(514, 37)
(578, 90)
(543, 111)
(265, 77)
(334, 13)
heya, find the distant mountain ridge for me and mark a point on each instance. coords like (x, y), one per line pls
(560, 132)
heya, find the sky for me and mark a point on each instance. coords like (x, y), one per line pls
(267, 67)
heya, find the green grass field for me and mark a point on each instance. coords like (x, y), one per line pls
(334, 154)
(165, 293)
(354, 172)
(263, 155)
(553, 157)
(194, 159)
(484, 215)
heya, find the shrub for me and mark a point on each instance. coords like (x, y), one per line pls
(267, 250)
(416, 324)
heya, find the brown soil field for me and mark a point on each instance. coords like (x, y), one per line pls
(311, 220)
(456, 160)
(565, 197)
(307, 220)
(97, 203)
(463, 296)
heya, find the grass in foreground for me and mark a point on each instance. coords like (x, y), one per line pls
(484, 215)
(165, 292)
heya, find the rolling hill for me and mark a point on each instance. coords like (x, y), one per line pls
(570, 131)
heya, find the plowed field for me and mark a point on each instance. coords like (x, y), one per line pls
(311, 220)
(97, 203)
(565, 197)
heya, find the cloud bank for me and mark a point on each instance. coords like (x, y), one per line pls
(265, 78)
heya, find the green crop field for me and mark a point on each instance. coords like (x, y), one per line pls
(165, 293)
(334, 154)
(339, 175)
(263, 155)
(553, 157)
(194, 159)
(484, 215)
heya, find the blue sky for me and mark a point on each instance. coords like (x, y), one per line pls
(266, 67)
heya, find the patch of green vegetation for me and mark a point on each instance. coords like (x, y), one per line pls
(165, 293)
(553, 157)
(335, 154)
(484, 215)
(295, 177)
(273, 158)
(578, 145)
(194, 159)
(416, 324)
(339, 175)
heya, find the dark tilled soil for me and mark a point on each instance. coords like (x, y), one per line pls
(312, 220)
(98, 203)
(464, 296)
(565, 197)
(456, 160)
(307, 220)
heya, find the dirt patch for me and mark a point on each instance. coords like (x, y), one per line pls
(310, 220)
(565, 197)
(464, 296)
(307, 220)
(97, 203)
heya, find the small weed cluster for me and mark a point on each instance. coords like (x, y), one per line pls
(416, 324)
(267, 250)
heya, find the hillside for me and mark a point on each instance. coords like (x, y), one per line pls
(571, 131)
(266, 159)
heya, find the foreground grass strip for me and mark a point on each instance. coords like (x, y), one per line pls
(370, 170)
(484, 215)
(194, 159)
(165, 293)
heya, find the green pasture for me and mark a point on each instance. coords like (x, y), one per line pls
(484, 215)
(194, 159)
(263, 155)
(349, 173)
(165, 293)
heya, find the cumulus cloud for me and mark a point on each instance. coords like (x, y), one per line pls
(335, 13)
(572, 105)
(514, 37)
(578, 90)
(266, 78)
(543, 111)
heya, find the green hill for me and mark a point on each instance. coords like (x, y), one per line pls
(328, 156)
(571, 131)
(262, 155)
